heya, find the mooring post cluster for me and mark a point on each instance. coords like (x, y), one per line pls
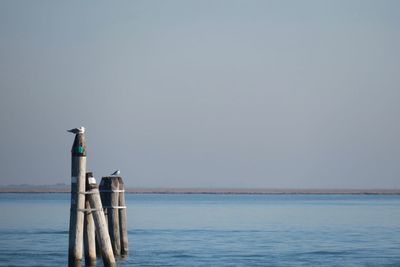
(97, 224)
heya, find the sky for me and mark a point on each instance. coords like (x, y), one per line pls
(233, 94)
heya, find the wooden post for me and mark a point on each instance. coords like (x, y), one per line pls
(107, 200)
(122, 218)
(113, 217)
(100, 222)
(104, 189)
(78, 175)
(113, 198)
(89, 239)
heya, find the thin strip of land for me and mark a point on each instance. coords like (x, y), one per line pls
(161, 190)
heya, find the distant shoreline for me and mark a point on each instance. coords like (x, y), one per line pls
(245, 191)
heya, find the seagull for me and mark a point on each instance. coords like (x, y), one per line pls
(117, 172)
(77, 130)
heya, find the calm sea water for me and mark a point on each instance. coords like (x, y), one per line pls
(216, 230)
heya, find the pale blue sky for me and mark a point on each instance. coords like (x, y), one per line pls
(289, 94)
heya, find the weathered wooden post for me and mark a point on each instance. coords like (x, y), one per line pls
(89, 239)
(100, 222)
(114, 217)
(110, 190)
(113, 197)
(78, 177)
(122, 218)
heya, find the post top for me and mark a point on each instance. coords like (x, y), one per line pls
(79, 146)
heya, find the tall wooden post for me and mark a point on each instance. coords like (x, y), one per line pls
(100, 222)
(89, 239)
(122, 218)
(78, 177)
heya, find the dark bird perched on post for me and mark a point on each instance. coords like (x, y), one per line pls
(77, 130)
(117, 172)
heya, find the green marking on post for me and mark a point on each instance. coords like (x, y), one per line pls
(79, 149)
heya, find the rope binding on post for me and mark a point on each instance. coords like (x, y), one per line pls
(114, 207)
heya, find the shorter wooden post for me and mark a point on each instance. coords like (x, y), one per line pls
(110, 197)
(122, 218)
(113, 217)
(89, 239)
(100, 222)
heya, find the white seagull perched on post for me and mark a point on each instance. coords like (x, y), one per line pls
(79, 130)
(117, 172)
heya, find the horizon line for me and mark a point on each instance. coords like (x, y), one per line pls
(64, 188)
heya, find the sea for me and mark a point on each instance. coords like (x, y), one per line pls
(216, 230)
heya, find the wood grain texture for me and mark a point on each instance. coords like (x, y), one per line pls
(122, 219)
(101, 226)
(78, 180)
